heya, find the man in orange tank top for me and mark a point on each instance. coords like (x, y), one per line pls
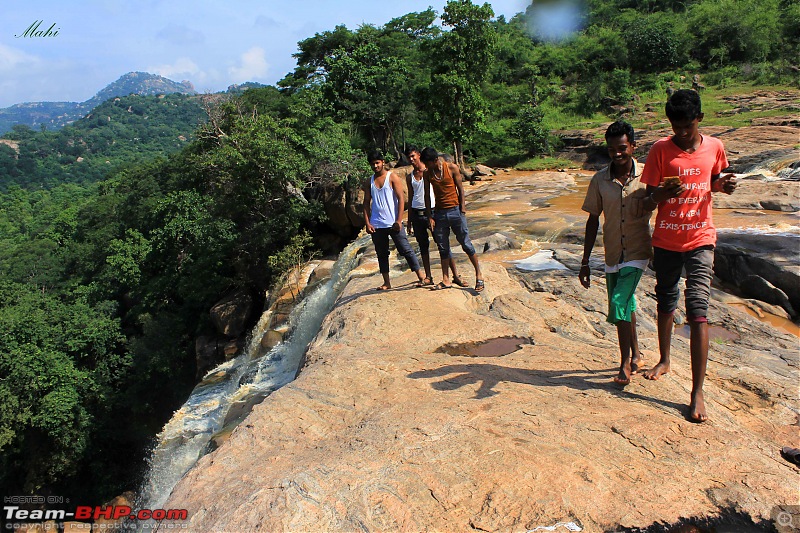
(450, 213)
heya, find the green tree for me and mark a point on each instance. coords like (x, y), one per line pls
(733, 31)
(462, 57)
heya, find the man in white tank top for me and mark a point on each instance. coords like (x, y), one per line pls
(418, 223)
(383, 214)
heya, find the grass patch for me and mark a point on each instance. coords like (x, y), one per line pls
(544, 163)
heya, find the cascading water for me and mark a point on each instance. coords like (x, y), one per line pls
(248, 378)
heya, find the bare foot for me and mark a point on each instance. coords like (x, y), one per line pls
(624, 376)
(697, 408)
(383, 288)
(636, 363)
(657, 371)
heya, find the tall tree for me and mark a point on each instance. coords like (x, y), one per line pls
(462, 57)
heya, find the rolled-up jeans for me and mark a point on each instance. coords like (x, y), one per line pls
(446, 219)
(381, 241)
(699, 264)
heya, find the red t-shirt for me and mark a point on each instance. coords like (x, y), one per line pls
(684, 223)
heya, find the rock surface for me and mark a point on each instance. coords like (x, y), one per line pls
(384, 431)
(230, 315)
(381, 431)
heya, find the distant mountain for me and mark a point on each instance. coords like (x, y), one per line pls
(56, 115)
(123, 130)
(242, 87)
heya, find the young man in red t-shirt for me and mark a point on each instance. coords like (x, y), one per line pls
(684, 234)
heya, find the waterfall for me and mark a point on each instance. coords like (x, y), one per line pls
(776, 165)
(239, 384)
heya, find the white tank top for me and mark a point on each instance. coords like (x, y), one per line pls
(384, 203)
(418, 200)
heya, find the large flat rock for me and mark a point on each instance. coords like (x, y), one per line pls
(383, 432)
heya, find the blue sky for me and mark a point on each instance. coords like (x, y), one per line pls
(213, 44)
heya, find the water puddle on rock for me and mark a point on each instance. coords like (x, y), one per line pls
(715, 333)
(497, 347)
(779, 322)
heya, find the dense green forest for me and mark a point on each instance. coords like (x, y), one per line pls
(119, 132)
(108, 265)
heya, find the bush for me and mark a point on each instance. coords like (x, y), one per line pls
(655, 44)
(723, 77)
(732, 31)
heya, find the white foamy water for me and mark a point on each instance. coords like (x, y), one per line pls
(254, 373)
(542, 260)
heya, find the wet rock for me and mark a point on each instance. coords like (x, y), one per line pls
(322, 271)
(761, 289)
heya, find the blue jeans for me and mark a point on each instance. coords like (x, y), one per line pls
(381, 241)
(444, 220)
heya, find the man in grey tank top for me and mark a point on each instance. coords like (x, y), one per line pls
(383, 214)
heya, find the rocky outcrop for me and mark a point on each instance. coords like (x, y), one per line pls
(382, 430)
(396, 424)
(764, 267)
(757, 192)
(231, 314)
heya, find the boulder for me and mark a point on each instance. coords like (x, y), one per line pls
(231, 314)
(752, 192)
(764, 267)
(483, 170)
(208, 354)
(355, 207)
(334, 200)
(494, 242)
(321, 271)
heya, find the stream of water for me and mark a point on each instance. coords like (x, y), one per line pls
(227, 392)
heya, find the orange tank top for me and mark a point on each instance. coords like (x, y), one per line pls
(444, 187)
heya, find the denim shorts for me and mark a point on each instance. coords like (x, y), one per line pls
(445, 220)
(699, 265)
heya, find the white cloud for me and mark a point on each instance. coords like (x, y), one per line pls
(183, 68)
(11, 58)
(253, 66)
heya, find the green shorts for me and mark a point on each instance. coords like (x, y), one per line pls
(621, 286)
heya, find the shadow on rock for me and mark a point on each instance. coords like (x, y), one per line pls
(489, 376)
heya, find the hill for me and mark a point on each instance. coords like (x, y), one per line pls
(120, 131)
(56, 115)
